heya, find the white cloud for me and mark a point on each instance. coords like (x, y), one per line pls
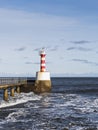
(18, 18)
(21, 27)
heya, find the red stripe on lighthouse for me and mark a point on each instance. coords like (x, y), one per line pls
(43, 55)
(42, 61)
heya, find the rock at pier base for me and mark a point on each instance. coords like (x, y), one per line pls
(42, 86)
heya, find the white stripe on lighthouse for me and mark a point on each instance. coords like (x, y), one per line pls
(43, 58)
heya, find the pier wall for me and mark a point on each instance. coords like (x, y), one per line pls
(28, 87)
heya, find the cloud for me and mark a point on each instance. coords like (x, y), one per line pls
(55, 48)
(79, 48)
(28, 62)
(37, 49)
(81, 42)
(71, 48)
(85, 61)
(36, 63)
(39, 22)
(48, 62)
(80, 60)
(25, 57)
(21, 49)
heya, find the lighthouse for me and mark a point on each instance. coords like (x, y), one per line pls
(43, 81)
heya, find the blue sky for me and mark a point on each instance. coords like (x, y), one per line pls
(68, 30)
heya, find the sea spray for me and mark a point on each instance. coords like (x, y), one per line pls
(19, 98)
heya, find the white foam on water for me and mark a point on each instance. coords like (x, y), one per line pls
(88, 105)
(78, 102)
(16, 117)
(83, 103)
(12, 117)
(77, 128)
(95, 103)
(67, 100)
(19, 98)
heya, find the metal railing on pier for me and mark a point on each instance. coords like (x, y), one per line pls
(12, 80)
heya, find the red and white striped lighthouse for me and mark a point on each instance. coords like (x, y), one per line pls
(42, 61)
(43, 81)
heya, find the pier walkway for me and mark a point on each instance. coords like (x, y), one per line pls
(12, 85)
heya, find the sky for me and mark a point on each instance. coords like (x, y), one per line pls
(67, 29)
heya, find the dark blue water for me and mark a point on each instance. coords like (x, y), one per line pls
(71, 105)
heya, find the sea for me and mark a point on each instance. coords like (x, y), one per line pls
(72, 104)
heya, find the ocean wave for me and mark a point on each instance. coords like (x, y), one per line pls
(19, 98)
